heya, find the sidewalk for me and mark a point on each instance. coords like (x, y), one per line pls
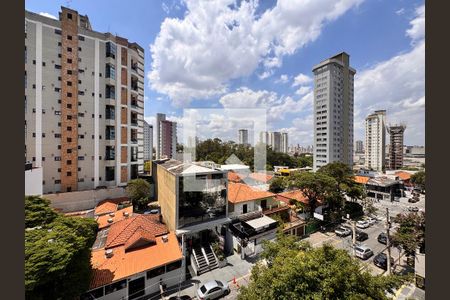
(409, 291)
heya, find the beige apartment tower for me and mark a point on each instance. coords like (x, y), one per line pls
(84, 104)
(333, 111)
(375, 141)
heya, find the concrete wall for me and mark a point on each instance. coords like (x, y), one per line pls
(166, 193)
(83, 200)
(33, 182)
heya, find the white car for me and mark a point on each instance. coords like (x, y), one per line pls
(363, 252)
(371, 220)
(213, 289)
(362, 224)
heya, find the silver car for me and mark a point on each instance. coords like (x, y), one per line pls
(213, 289)
(363, 252)
(362, 224)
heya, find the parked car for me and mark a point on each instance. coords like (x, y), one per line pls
(380, 260)
(361, 236)
(382, 238)
(413, 200)
(363, 252)
(371, 220)
(343, 231)
(362, 224)
(413, 209)
(182, 297)
(213, 289)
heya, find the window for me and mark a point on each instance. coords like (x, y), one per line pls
(25, 54)
(81, 38)
(115, 286)
(110, 71)
(110, 133)
(110, 92)
(173, 266)
(81, 93)
(69, 49)
(57, 135)
(69, 173)
(69, 162)
(57, 89)
(69, 60)
(69, 94)
(69, 105)
(110, 153)
(69, 16)
(134, 151)
(57, 181)
(110, 50)
(69, 37)
(69, 83)
(110, 174)
(81, 136)
(57, 31)
(155, 272)
(69, 151)
(69, 140)
(69, 72)
(69, 117)
(80, 157)
(59, 147)
(69, 128)
(110, 112)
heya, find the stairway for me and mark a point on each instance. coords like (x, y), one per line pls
(212, 259)
(205, 258)
(202, 263)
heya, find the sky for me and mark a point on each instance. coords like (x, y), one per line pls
(236, 55)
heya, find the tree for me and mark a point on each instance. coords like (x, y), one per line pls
(315, 186)
(411, 233)
(298, 271)
(147, 166)
(57, 253)
(418, 179)
(38, 211)
(277, 185)
(138, 190)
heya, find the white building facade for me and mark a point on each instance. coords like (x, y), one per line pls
(375, 153)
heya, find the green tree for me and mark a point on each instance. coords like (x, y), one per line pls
(298, 271)
(138, 190)
(38, 211)
(411, 233)
(277, 185)
(418, 179)
(147, 166)
(57, 254)
(315, 186)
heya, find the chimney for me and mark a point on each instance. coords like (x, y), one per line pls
(165, 238)
(109, 253)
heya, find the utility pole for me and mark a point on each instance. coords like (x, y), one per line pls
(354, 237)
(388, 240)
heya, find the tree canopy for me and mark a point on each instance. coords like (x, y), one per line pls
(411, 233)
(418, 179)
(57, 252)
(277, 185)
(219, 151)
(298, 271)
(138, 190)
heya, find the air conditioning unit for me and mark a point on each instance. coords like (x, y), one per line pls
(125, 214)
(111, 214)
(110, 220)
(165, 238)
(109, 253)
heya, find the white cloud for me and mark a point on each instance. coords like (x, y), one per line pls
(165, 8)
(301, 79)
(417, 30)
(400, 12)
(284, 78)
(303, 90)
(45, 14)
(277, 106)
(217, 41)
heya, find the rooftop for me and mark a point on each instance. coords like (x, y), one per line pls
(382, 181)
(403, 175)
(115, 217)
(361, 179)
(296, 195)
(261, 222)
(108, 206)
(240, 192)
(178, 167)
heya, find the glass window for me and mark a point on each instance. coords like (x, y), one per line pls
(110, 50)
(115, 286)
(156, 272)
(110, 71)
(173, 266)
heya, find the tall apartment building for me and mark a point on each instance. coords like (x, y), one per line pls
(275, 141)
(359, 146)
(166, 137)
(84, 103)
(396, 133)
(264, 137)
(284, 142)
(148, 141)
(333, 111)
(243, 137)
(375, 141)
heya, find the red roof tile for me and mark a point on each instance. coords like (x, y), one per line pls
(361, 179)
(296, 195)
(118, 216)
(108, 206)
(403, 175)
(239, 192)
(121, 231)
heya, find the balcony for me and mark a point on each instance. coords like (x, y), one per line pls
(134, 66)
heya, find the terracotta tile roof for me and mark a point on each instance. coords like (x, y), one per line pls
(261, 177)
(108, 206)
(124, 263)
(118, 216)
(296, 195)
(121, 231)
(240, 192)
(403, 175)
(235, 177)
(361, 179)
(140, 236)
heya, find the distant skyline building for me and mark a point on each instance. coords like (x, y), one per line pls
(275, 141)
(284, 142)
(396, 133)
(359, 146)
(264, 137)
(333, 111)
(243, 137)
(166, 137)
(375, 141)
(148, 141)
